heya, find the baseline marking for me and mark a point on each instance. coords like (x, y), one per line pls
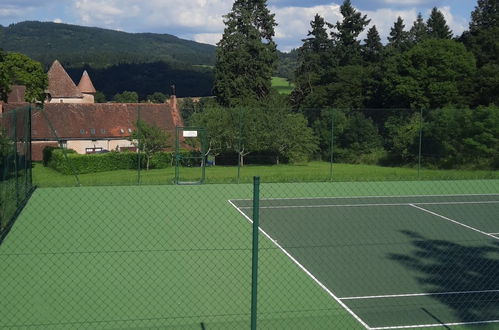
(369, 205)
(454, 221)
(435, 325)
(305, 270)
(418, 294)
(387, 196)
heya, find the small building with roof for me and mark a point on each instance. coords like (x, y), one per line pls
(62, 88)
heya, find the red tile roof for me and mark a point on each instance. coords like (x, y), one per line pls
(85, 85)
(60, 84)
(100, 120)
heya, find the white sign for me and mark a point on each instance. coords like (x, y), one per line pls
(190, 133)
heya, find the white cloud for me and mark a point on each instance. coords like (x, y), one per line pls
(139, 15)
(57, 20)
(294, 22)
(408, 2)
(208, 38)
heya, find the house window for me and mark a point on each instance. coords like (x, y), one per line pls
(122, 130)
(92, 131)
(63, 144)
(129, 130)
(103, 131)
(82, 131)
(92, 150)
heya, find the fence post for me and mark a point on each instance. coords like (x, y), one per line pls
(332, 147)
(16, 158)
(254, 266)
(420, 140)
(239, 145)
(139, 144)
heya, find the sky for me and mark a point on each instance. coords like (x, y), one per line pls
(202, 20)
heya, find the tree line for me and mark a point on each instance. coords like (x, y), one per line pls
(440, 92)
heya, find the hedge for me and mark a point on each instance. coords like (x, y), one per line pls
(92, 163)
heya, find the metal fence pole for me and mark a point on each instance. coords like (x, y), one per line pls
(332, 147)
(254, 266)
(239, 145)
(139, 144)
(420, 140)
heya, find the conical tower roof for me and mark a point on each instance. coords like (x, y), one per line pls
(60, 84)
(85, 85)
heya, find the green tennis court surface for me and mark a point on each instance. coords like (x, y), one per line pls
(179, 257)
(392, 262)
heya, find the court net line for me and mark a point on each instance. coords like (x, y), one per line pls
(419, 294)
(369, 205)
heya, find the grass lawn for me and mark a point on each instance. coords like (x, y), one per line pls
(282, 85)
(307, 172)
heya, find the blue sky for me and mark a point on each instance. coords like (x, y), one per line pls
(201, 20)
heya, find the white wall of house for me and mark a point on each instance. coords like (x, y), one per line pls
(81, 146)
(88, 98)
(66, 100)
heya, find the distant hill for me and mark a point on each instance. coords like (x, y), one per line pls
(75, 45)
(117, 61)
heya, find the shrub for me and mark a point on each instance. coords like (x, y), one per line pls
(92, 163)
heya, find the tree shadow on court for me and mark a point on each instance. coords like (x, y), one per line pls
(446, 266)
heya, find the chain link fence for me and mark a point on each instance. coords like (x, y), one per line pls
(370, 219)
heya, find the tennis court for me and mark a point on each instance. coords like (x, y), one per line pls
(394, 262)
(179, 257)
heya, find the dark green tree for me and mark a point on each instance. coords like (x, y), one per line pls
(372, 48)
(432, 74)
(345, 37)
(19, 69)
(419, 30)
(157, 97)
(398, 38)
(149, 139)
(4, 80)
(100, 97)
(246, 55)
(482, 40)
(437, 25)
(315, 60)
(126, 97)
(485, 16)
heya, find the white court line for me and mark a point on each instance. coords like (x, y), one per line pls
(435, 325)
(454, 221)
(418, 294)
(305, 270)
(388, 196)
(365, 205)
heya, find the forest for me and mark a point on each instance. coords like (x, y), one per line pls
(426, 96)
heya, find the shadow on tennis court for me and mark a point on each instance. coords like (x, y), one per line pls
(467, 274)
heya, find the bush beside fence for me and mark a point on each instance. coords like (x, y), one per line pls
(67, 161)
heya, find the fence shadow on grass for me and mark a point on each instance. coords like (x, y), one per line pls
(447, 266)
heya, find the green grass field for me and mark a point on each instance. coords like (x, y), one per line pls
(313, 171)
(282, 85)
(168, 257)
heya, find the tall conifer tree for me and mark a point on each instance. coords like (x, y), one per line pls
(437, 25)
(347, 31)
(398, 37)
(315, 59)
(485, 15)
(247, 54)
(419, 30)
(372, 48)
